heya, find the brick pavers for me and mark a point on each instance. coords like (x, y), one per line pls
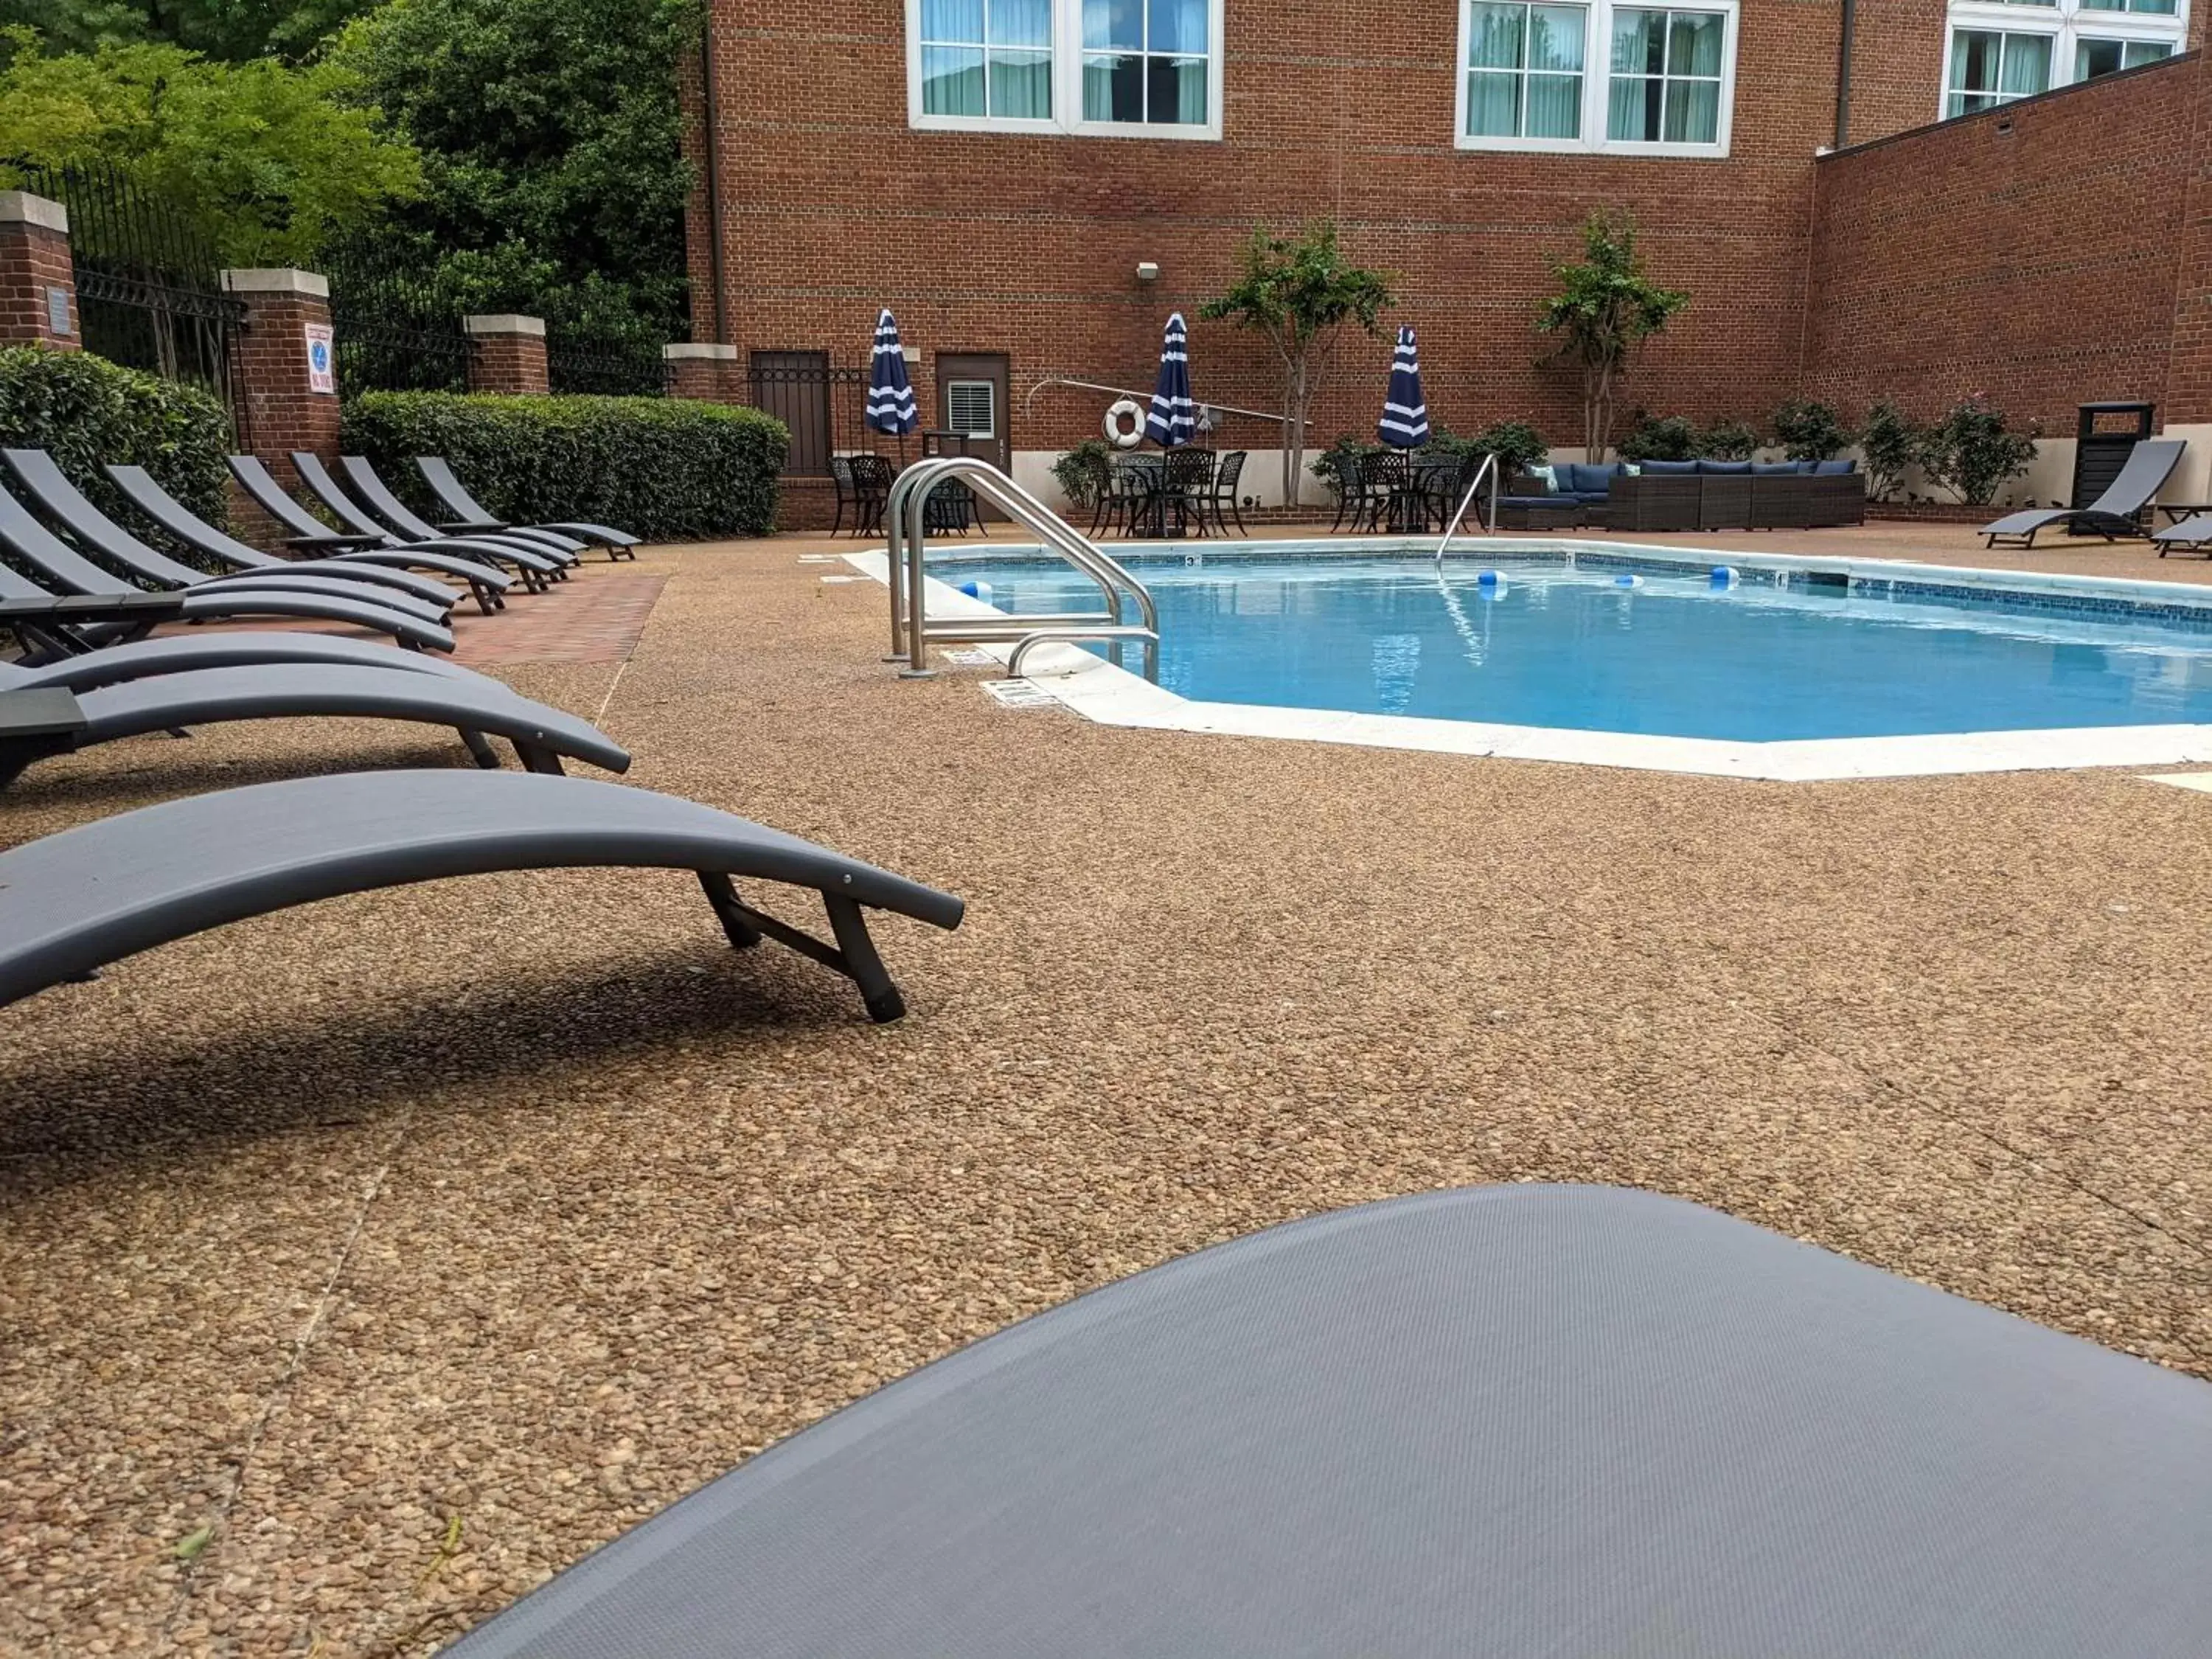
(590, 617)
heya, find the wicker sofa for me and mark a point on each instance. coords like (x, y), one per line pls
(1689, 495)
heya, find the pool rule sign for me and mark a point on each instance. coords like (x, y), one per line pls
(322, 370)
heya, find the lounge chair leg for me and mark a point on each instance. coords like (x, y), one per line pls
(540, 760)
(853, 955)
(722, 894)
(480, 749)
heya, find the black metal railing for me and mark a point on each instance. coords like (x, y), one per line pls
(824, 405)
(148, 281)
(620, 368)
(394, 331)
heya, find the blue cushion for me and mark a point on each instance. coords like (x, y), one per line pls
(1835, 468)
(1664, 468)
(1732, 468)
(1775, 469)
(1575, 477)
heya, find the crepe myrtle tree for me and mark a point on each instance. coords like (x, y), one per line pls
(1297, 295)
(1605, 308)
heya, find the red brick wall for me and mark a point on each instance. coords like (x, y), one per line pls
(509, 363)
(32, 260)
(2030, 251)
(988, 241)
(268, 372)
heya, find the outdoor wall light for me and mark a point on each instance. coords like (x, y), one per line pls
(1148, 271)
(911, 353)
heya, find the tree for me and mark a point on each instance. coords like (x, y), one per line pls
(551, 141)
(1606, 307)
(1297, 295)
(230, 30)
(264, 159)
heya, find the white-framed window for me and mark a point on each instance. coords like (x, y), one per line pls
(1108, 68)
(1606, 75)
(1997, 51)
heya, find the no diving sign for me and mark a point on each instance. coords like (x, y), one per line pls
(322, 370)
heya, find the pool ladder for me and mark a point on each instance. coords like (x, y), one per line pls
(911, 631)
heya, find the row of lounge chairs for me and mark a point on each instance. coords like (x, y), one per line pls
(2119, 512)
(72, 903)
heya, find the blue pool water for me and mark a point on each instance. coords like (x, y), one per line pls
(1563, 646)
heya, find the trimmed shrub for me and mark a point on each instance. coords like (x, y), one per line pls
(1891, 443)
(1516, 444)
(87, 411)
(1810, 430)
(1658, 438)
(1729, 440)
(1972, 450)
(1081, 472)
(663, 468)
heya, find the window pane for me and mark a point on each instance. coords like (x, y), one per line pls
(1693, 111)
(1114, 88)
(2156, 8)
(1021, 84)
(1974, 61)
(1555, 37)
(1493, 104)
(1179, 25)
(2104, 5)
(1555, 105)
(951, 81)
(2032, 2)
(1176, 90)
(2140, 52)
(2095, 57)
(1113, 23)
(1493, 36)
(957, 21)
(1693, 45)
(1638, 42)
(1632, 109)
(2027, 64)
(1020, 23)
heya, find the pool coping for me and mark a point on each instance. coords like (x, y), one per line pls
(1097, 690)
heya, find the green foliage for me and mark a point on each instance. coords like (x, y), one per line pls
(1297, 295)
(550, 135)
(234, 30)
(1729, 440)
(1516, 443)
(1809, 430)
(1659, 438)
(663, 468)
(1605, 308)
(1328, 466)
(1972, 450)
(262, 159)
(1081, 472)
(1890, 442)
(88, 411)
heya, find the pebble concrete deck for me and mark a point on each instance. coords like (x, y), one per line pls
(361, 1266)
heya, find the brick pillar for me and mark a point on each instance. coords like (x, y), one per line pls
(705, 372)
(38, 282)
(289, 398)
(506, 354)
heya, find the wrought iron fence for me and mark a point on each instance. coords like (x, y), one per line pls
(149, 281)
(395, 332)
(621, 368)
(824, 406)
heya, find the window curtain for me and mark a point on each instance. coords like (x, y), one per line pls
(1639, 48)
(2027, 64)
(1178, 27)
(1555, 62)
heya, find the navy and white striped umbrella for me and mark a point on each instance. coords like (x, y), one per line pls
(1174, 419)
(1404, 422)
(890, 397)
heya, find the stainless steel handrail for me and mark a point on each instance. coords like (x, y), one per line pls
(1145, 636)
(1489, 470)
(906, 535)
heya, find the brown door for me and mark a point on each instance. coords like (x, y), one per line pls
(794, 387)
(971, 400)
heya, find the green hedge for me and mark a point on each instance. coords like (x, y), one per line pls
(88, 411)
(662, 468)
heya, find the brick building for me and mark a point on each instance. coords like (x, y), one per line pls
(1034, 185)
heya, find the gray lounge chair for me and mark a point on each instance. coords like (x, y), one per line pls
(75, 900)
(63, 504)
(325, 489)
(24, 538)
(473, 704)
(145, 493)
(180, 653)
(1575, 1421)
(55, 624)
(2116, 513)
(2191, 534)
(304, 530)
(386, 507)
(469, 514)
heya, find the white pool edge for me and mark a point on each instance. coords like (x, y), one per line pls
(1100, 692)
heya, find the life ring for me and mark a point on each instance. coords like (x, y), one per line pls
(1128, 409)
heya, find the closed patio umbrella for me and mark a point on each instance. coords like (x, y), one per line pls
(891, 396)
(1174, 418)
(1404, 422)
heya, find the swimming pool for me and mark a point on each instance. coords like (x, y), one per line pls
(1773, 654)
